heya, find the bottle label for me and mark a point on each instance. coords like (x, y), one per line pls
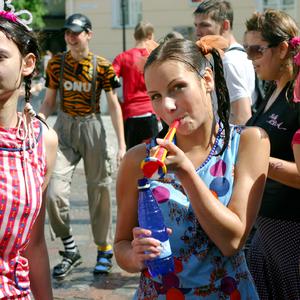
(165, 249)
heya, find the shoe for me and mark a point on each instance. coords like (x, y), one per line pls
(70, 260)
(104, 263)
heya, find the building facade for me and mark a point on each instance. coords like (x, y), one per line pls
(52, 36)
(111, 36)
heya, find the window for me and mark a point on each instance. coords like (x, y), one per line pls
(188, 32)
(132, 12)
(289, 6)
(280, 4)
(195, 2)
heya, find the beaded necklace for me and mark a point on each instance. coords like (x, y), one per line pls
(213, 149)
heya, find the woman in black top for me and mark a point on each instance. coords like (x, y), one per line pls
(274, 253)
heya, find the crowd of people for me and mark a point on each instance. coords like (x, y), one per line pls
(232, 171)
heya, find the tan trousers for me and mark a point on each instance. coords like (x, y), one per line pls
(81, 137)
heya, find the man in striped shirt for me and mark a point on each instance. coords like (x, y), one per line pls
(79, 76)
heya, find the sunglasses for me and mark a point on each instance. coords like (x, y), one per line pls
(256, 51)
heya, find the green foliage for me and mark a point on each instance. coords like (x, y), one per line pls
(36, 7)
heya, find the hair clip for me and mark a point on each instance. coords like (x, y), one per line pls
(14, 16)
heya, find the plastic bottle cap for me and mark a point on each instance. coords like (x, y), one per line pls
(143, 183)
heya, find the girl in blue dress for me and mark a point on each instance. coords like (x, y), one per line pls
(212, 190)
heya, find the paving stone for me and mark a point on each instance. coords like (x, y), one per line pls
(81, 284)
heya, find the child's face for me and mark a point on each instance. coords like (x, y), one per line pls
(178, 93)
(11, 66)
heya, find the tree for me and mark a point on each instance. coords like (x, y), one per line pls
(36, 7)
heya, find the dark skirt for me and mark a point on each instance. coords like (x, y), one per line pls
(274, 259)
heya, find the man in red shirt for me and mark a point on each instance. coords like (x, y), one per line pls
(140, 123)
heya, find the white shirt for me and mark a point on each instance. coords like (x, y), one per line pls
(239, 74)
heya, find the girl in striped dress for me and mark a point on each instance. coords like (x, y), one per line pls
(27, 155)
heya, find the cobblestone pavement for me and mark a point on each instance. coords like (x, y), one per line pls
(81, 283)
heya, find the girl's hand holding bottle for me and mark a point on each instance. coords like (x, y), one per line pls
(144, 246)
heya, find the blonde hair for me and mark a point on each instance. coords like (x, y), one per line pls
(143, 30)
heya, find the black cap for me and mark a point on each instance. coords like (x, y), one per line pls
(78, 23)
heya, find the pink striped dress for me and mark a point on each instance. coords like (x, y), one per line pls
(21, 177)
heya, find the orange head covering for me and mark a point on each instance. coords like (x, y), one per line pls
(209, 42)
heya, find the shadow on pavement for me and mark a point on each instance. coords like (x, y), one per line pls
(116, 285)
(114, 281)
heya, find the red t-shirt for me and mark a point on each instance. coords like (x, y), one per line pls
(129, 66)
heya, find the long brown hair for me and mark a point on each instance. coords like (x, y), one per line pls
(275, 27)
(192, 56)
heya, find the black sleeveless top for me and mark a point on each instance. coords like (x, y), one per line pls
(280, 122)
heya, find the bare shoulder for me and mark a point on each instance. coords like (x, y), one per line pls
(50, 137)
(253, 134)
(135, 155)
(131, 161)
(254, 142)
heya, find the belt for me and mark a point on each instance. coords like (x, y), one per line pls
(78, 117)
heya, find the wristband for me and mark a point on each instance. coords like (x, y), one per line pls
(296, 138)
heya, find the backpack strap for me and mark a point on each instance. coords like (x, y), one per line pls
(94, 82)
(61, 77)
(236, 48)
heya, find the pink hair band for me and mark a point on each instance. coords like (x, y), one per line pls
(295, 41)
(8, 16)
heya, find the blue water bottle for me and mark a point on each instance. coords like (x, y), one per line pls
(150, 217)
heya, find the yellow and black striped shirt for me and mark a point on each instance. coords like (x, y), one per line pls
(77, 82)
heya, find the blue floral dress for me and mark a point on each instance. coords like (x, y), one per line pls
(201, 270)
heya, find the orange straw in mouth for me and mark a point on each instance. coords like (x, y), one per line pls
(154, 165)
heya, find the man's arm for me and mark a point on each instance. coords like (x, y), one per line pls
(49, 103)
(240, 80)
(240, 111)
(117, 121)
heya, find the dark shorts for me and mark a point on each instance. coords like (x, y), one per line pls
(139, 130)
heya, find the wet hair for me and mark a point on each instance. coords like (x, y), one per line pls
(218, 10)
(26, 42)
(275, 27)
(143, 30)
(190, 55)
